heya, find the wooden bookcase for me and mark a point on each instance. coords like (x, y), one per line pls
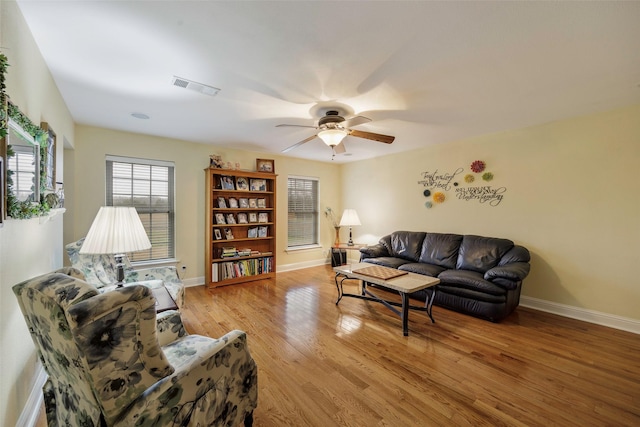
(250, 195)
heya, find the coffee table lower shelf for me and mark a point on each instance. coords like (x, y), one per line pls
(416, 282)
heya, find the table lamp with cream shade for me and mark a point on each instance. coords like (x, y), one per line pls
(116, 230)
(349, 218)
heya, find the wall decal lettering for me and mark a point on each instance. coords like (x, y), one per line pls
(436, 183)
(487, 194)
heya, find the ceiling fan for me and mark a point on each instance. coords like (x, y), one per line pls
(334, 128)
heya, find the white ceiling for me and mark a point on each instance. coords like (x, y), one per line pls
(425, 72)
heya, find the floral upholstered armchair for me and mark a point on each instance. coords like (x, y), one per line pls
(110, 363)
(101, 272)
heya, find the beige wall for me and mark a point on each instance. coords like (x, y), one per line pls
(27, 247)
(571, 199)
(88, 189)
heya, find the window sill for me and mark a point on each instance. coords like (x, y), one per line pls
(139, 265)
(302, 248)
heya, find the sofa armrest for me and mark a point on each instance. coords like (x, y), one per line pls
(515, 272)
(169, 327)
(374, 251)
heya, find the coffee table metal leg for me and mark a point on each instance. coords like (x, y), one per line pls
(339, 287)
(405, 313)
(428, 303)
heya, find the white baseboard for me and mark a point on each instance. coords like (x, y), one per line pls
(31, 410)
(586, 315)
(301, 265)
(194, 281)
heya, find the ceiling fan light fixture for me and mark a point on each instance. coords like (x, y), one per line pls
(332, 137)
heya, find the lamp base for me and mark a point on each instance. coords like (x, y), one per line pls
(119, 269)
(350, 243)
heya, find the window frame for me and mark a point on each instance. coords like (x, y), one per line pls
(171, 194)
(316, 212)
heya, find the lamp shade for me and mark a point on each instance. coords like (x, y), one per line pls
(116, 230)
(332, 137)
(349, 217)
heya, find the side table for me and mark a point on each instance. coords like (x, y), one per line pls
(339, 255)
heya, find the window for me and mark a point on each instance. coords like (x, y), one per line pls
(303, 212)
(24, 166)
(148, 186)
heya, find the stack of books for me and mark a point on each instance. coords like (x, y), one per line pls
(228, 252)
(244, 252)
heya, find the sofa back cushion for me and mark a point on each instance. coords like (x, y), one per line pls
(405, 244)
(441, 249)
(479, 253)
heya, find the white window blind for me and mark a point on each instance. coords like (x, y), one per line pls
(147, 185)
(303, 211)
(24, 167)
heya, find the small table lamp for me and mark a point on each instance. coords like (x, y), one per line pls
(349, 218)
(116, 230)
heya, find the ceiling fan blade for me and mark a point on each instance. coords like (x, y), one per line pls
(298, 144)
(355, 121)
(340, 148)
(295, 126)
(373, 136)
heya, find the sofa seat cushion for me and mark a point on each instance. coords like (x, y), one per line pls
(469, 280)
(421, 268)
(387, 261)
(441, 249)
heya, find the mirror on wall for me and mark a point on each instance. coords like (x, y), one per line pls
(24, 164)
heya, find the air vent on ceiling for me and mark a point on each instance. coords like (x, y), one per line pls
(195, 86)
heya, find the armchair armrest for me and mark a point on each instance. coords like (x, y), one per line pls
(514, 272)
(169, 327)
(374, 251)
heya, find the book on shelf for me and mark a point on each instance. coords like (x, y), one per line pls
(228, 251)
(247, 267)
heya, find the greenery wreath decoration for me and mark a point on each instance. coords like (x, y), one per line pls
(20, 209)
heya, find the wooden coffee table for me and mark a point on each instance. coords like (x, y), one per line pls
(401, 281)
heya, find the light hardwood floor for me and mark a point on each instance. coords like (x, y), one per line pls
(349, 365)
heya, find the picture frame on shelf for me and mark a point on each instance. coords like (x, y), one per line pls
(252, 232)
(228, 234)
(262, 231)
(230, 219)
(217, 234)
(253, 203)
(242, 218)
(215, 161)
(220, 219)
(253, 217)
(258, 185)
(222, 203)
(242, 184)
(226, 183)
(265, 165)
(262, 203)
(263, 217)
(233, 202)
(243, 203)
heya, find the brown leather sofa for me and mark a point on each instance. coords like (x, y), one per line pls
(480, 276)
